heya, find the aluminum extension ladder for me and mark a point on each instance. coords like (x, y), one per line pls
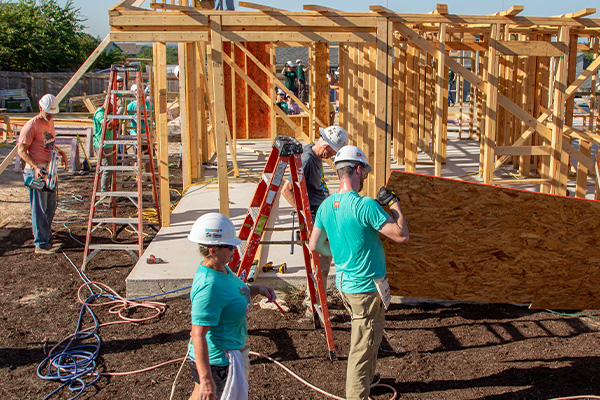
(286, 151)
(131, 166)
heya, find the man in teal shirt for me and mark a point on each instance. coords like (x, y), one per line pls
(108, 153)
(353, 224)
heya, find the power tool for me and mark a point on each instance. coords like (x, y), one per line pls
(282, 268)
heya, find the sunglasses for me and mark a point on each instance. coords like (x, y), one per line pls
(225, 246)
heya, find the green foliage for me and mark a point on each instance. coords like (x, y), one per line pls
(41, 35)
(172, 54)
(587, 59)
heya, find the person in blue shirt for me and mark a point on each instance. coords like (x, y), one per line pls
(220, 305)
(353, 224)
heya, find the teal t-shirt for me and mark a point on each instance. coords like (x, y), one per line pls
(132, 110)
(300, 71)
(352, 223)
(98, 119)
(221, 301)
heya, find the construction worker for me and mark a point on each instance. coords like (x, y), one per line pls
(36, 142)
(108, 154)
(356, 222)
(290, 74)
(332, 139)
(220, 305)
(302, 86)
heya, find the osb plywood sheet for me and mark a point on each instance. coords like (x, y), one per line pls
(259, 121)
(259, 116)
(474, 242)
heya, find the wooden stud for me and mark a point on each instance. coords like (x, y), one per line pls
(557, 120)
(219, 125)
(439, 101)
(160, 55)
(489, 138)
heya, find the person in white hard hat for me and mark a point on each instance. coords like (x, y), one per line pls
(353, 223)
(220, 305)
(36, 142)
(290, 75)
(332, 139)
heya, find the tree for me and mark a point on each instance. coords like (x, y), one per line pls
(41, 35)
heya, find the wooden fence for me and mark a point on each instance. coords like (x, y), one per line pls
(39, 83)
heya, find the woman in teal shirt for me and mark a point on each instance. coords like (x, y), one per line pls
(220, 305)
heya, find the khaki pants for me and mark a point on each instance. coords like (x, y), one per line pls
(368, 319)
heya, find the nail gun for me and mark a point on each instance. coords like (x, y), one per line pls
(47, 179)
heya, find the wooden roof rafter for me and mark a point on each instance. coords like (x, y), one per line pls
(259, 7)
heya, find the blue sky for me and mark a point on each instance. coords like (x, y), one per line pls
(96, 11)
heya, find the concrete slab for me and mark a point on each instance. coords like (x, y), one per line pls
(183, 257)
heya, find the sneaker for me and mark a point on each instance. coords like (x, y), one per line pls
(376, 379)
(48, 250)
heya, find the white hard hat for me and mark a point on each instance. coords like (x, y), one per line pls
(349, 156)
(298, 61)
(176, 71)
(213, 229)
(49, 103)
(147, 89)
(335, 136)
(119, 78)
(133, 88)
(290, 64)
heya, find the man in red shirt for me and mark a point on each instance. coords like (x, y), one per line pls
(36, 142)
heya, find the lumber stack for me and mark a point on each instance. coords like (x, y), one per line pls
(474, 242)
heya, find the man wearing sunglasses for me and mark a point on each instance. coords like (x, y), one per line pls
(353, 224)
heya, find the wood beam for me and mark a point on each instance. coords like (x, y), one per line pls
(439, 102)
(162, 158)
(489, 138)
(441, 9)
(219, 125)
(259, 7)
(579, 14)
(511, 12)
(321, 9)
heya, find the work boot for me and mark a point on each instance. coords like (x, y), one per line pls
(48, 250)
(376, 379)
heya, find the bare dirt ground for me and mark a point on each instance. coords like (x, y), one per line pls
(431, 351)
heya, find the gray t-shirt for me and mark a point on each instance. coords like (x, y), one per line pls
(312, 167)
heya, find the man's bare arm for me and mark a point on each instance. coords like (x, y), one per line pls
(318, 242)
(287, 191)
(395, 227)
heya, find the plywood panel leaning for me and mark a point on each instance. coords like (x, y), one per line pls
(474, 242)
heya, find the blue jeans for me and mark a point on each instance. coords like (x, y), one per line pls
(43, 206)
(228, 5)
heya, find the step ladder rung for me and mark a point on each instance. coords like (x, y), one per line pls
(121, 141)
(114, 246)
(117, 168)
(121, 116)
(113, 220)
(117, 194)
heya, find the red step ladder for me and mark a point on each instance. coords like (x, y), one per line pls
(286, 152)
(131, 166)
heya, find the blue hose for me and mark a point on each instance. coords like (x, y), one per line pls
(76, 361)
